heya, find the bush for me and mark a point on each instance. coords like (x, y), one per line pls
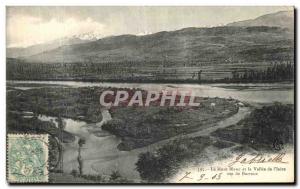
(165, 162)
(267, 128)
(270, 125)
(74, 173)
(115, 175)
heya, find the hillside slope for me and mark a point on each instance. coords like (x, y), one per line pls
(187, 45)
(19, 52)
(284, 19)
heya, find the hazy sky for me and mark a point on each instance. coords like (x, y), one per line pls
(31, 25)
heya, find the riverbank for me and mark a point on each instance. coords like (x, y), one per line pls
(141, 126)
(164, 81)
(267, 128)
(251, 92)
(61, 101)
(100, 153)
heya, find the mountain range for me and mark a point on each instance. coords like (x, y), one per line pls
(17, 52)
(268, 37)
(284, 19)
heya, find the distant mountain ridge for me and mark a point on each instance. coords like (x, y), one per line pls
(185, 45)
(284, 19)
(19, 52)
(239, 41)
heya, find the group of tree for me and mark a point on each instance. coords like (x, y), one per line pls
(165, 162)
(277, 72)
(268, 128)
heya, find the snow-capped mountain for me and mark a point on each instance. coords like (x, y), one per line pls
(17, 52)
(92, 36)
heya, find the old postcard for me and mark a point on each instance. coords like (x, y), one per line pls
(145, 95)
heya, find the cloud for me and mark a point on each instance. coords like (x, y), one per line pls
(31, 25)
(24, 30)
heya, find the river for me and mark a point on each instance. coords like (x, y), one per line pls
(100, 153)
(250, 92)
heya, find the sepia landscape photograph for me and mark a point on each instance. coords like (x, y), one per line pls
(104, 86)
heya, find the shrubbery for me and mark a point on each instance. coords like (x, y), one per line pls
(266, 128)
(114, 177)
(165, 162)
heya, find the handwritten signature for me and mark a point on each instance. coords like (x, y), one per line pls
(257, 158)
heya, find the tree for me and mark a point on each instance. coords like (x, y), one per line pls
(199, 75)
(61, 126)
(114, 176)
(81, 142)
(148, 167)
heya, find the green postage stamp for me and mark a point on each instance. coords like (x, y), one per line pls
(27, 158)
